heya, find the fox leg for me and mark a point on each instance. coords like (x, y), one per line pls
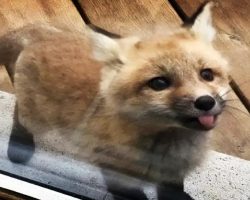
(21, 145)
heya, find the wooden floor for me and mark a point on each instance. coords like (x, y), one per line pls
(125, 17)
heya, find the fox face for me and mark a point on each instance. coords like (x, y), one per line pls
(181, 85)
(174, 80)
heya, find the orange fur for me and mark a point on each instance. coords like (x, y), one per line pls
(89, 95)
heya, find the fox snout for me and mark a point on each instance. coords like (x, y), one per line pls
(200, 113)
(205, 103)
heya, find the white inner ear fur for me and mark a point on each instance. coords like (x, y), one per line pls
(103, 47)
(202, 26)
(106, 49)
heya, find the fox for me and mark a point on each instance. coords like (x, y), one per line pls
(145, 105)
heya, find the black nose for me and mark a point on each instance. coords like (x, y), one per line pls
(204, 103)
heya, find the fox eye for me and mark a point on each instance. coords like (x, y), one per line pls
(207, 74)
(159, 83)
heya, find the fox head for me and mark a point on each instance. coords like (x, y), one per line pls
(172, 80)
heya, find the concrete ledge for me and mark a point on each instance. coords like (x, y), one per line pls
(220, 177)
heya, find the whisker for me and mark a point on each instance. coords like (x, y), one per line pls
(226, 92)
(235, 108)
(231, 89)
(231, 114)
(226, 100)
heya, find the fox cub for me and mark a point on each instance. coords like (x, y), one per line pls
(141, 105)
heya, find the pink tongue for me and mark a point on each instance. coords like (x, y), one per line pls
(207, 120)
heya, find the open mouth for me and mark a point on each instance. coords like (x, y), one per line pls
(203, 122)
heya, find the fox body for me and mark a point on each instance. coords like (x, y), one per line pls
(141, 105)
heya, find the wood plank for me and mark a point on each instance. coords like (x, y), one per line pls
(232, 136)
(11, 195)
(232, 19)
(5, 83)
(14, 14)
(125, 17)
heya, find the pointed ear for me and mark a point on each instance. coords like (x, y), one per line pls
(104, 48)
(202, 26)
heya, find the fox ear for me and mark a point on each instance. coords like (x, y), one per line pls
(202, 26)
(104, 48)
